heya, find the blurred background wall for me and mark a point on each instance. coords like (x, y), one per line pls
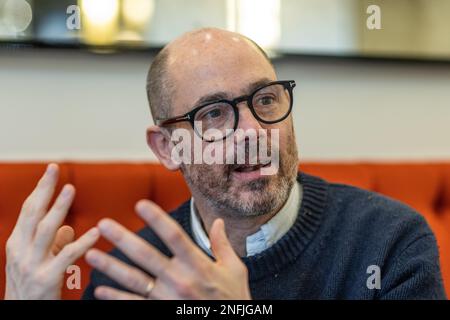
(64, 104)
(72, 104)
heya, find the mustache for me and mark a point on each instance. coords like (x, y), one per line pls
(250, 152)
(244, 153)
(261, 164)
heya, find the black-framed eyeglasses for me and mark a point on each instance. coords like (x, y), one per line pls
(215, 120)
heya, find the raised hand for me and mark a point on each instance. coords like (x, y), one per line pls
(189, 274)
(39, 249)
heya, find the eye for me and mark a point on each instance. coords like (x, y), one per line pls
(266, 101)
(214, 113)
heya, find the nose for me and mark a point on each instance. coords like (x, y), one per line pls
(246, 118)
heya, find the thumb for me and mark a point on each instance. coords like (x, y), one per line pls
(220, 245)
(64, 236)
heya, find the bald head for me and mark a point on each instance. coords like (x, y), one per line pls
(195, 55)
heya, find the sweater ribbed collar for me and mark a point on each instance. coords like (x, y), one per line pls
(291, 245)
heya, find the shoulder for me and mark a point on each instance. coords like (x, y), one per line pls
(368, 210)
(372, 229)
(377, 226)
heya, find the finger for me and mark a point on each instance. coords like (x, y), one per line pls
(129, 277)
(36, 204)
(134, 247)
(220, 245)
(47, 228)
(168, 230)
(73, 251)
(108, 293)
(64, 236)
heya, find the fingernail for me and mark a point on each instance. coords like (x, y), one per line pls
(110, 230)
(92, 257)
(94, 232)
(144, 208)
(140, 206)
(51, 168)
(66, 192)
(104, 225)
(100, 293)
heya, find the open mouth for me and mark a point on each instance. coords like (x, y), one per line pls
(250, 167)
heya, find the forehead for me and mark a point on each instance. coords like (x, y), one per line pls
(214, 64)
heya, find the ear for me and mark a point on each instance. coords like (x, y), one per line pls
(161, 147)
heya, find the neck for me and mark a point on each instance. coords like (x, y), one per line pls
(237, 228)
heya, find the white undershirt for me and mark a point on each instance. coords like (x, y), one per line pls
(267, 235)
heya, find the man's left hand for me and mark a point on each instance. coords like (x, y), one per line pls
(188, 274)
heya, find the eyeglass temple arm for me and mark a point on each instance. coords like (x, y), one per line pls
(163, 122)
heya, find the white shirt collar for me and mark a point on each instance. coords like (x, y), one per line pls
(267, 235)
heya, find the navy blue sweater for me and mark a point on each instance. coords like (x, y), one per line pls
(342, 237)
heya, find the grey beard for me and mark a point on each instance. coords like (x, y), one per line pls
(263, 204)
(217, 194)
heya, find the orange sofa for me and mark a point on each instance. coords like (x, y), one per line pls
(112, 189)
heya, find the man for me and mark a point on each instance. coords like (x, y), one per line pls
(243, 235)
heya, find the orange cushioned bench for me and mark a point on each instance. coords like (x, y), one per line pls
(112, 189)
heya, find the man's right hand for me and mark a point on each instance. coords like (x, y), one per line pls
(39, 249)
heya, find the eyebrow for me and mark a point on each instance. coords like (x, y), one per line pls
(212, 97)
(224, 95)
(257, 84)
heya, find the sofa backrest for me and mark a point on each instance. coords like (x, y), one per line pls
(112, 189)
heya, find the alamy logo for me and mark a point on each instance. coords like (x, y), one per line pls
(373, 22)
(73, 281)
(73, 21)
(374, 280)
